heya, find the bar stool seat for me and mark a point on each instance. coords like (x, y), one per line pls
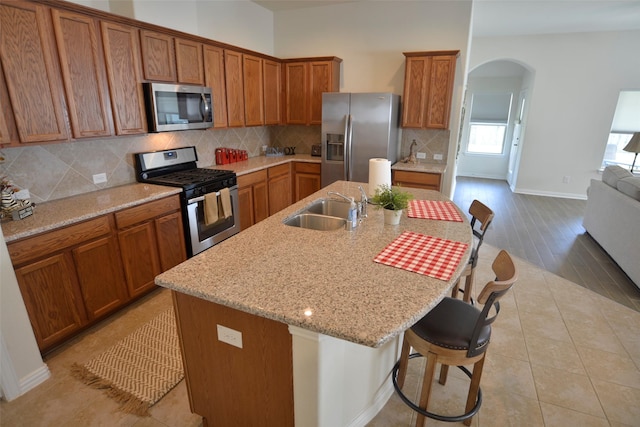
(454, 333)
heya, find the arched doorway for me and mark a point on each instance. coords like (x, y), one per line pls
(493, 129)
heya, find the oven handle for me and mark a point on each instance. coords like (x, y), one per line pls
(201, 198)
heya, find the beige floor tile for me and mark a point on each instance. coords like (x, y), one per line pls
(173, 409)
(567, 390)
(500, 408)
(549, 326)
(621, 404)
(610, 367)
(508, 374)
(556, 416)
(554, 354)
(508, 342)
(597, 335)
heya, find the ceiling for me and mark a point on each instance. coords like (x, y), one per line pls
(520, 17)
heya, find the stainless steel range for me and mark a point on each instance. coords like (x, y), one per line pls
(208, 194)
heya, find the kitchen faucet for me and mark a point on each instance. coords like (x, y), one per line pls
(363, 202)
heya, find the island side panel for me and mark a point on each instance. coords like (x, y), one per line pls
(231, 386)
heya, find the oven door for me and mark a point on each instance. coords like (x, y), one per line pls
(203, 236)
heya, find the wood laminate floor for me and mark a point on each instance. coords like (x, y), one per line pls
(548, 232)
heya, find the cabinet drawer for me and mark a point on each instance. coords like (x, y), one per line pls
(252, 178)
(426, 180)
(146, 211)
(304, 167)
(53, 241)
(279, 170)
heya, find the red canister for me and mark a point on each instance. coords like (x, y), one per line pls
(233, 155)
(222, 156)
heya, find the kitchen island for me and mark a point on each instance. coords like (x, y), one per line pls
(282, 325)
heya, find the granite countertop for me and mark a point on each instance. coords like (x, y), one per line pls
(62, 212)
(420, 167)
(280, 272)
(255, 164)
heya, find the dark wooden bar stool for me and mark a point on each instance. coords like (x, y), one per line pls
(481, 217)
(455, 333)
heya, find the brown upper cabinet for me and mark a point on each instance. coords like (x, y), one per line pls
(253, 84)
(189, 62)
(428, 88)
(122, 58)
(235, 87)
(272, 92)
(83, 73)
(158, 57)
(305, 80)
(32, 72)
(214, 78)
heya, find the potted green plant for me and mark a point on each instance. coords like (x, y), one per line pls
(393, 200)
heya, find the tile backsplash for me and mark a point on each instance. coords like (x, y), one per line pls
(55, 171)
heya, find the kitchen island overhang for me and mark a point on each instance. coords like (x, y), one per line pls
(323, 284)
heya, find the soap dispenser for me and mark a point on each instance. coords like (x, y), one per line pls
(352, 220)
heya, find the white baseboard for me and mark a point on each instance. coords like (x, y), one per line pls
(12, 386)
(550, 194)
(379, 401)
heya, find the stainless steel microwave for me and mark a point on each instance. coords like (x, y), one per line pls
(178, 107)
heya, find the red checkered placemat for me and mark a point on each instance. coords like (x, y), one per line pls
(433, 209)
(419, 253)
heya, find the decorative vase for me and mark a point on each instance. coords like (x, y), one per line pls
(392, 217)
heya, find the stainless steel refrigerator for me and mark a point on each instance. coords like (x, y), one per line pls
(357, 127)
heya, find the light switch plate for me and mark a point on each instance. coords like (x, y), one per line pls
(437, 157)
(421, 155)
(99, 178)
(230, 336)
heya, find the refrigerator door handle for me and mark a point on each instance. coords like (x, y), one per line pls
(348, 162)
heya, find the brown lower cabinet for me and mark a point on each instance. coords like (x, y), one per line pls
(306, 179)
(424, 180)
(73, 276)
(253, 197)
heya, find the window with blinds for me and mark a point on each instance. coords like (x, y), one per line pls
(488, 122)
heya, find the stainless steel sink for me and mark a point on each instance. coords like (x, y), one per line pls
(329, 207)
(316, 222)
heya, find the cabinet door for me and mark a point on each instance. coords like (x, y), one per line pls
(416, 78)
(158, 57)
(296, 93)
(8, 131)
(140, 257)
(100, 275)
(82, 63)
(272, 92)
(171, 245)
(32, 73)
(214, 78)
(321, 79)
(235, 93)
(122, 58)
(279, 187)
(306, 180)
(189, 62)
(440, 92)
(260, 201)
(245, 204)
(253, 91)
(50, 291)
(425, 180)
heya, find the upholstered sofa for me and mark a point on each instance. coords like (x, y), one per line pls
(612, 217)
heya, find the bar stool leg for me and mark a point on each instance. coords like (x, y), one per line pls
(468, 286)
(425, 394)
(404, 362)
(473, 387)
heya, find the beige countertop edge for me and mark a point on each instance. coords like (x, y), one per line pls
(420, 167)
(59, 213)
(276, 271)
(254, 164)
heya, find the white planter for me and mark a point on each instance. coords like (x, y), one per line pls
(392, 217)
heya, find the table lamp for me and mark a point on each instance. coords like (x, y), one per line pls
(633, 147)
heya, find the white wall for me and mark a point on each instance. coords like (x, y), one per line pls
(240, 23)
(480, 165)
(21, 367)
(370, 38)
(571, 102)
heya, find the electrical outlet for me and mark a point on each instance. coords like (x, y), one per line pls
(99, 178)
(566, 179)
(437, 157)
(421, 155)
(230, 336)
